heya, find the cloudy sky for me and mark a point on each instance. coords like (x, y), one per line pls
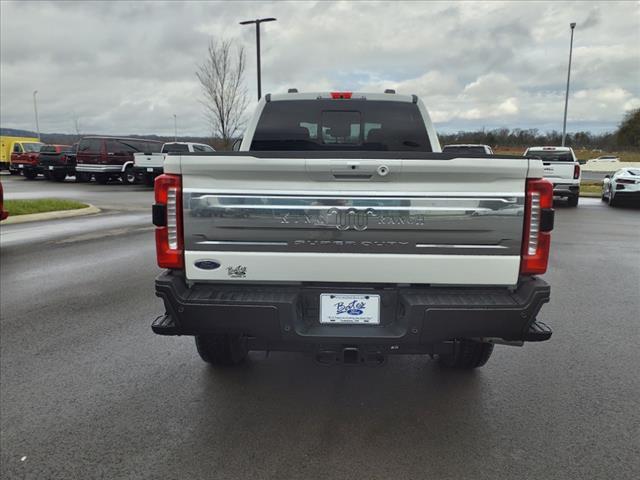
(128, 67)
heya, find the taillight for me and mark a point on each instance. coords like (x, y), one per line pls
(341, 95)
(625, 181)
(167, 216)
(538, 222)
(576, 171)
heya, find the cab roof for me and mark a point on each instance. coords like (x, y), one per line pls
(341, 95)
(551, 149)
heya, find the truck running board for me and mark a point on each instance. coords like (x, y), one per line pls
(164, 325)
(538, 332)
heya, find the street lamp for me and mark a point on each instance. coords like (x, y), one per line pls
(35, 109)
(175, 128)
(258, 22)
(566, 97)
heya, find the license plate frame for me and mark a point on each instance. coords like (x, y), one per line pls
(349, 309)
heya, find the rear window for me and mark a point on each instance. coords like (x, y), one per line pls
(93, 145)
(551, 155)
(123, 145)
(32, 147)
(175, 147)
(457, 149)
(341, 125)
(48, 149)
(203, 148)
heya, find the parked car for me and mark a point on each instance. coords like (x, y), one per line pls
(3, 213)
(562, 168)
(624, 185)
(7, 144)
(24, 159)
(110, 158)
(340, 229)
(604, 160)
(57, 161)
(148, 166)
(468, 149)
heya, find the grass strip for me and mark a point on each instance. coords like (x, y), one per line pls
(40, 205)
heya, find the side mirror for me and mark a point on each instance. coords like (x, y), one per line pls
(236, 145)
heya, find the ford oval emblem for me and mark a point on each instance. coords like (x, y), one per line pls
(207, 264)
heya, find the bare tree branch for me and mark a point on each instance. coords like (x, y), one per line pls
(221, 77)
(76, 124)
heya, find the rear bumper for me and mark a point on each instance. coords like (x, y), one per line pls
(627, 195)
(566, 189)
(413, 319)
(20, 167)
(147, 170)
(58, 168)
(98, 168)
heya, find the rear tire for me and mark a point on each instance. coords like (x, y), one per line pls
(58, 175)
(573, 201)
(227, 350)
(468, 354)
(149, 180)
(102, 178)
(30, 174)
(82, 177)
(129, 177)
(612, 199)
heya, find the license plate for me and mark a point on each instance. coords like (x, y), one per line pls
(20, 166)
(50, 168)
(338, 308)
(149, 169)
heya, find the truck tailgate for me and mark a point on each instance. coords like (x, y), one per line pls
(558, 171)
(434, 220)
(149, 160)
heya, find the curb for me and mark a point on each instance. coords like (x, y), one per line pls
(37, 217)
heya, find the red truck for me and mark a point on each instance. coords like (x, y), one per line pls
(108, 158)
(24, 159)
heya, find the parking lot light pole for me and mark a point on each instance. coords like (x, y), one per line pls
(35, 110)
(566, 97)
(175, 128)
(258, 22)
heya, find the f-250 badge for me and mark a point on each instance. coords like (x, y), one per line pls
(237, 272)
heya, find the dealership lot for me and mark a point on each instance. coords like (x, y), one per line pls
(86, 387)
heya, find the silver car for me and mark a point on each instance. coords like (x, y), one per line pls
(622, 185)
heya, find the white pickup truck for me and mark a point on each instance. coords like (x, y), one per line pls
(147, 166)
(562, 168)
(340, 230)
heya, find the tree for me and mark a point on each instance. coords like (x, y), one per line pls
(221, 77)
(76, 124)
(628, 134)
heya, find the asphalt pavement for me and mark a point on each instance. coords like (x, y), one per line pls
(114, 196)
(88, 391)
